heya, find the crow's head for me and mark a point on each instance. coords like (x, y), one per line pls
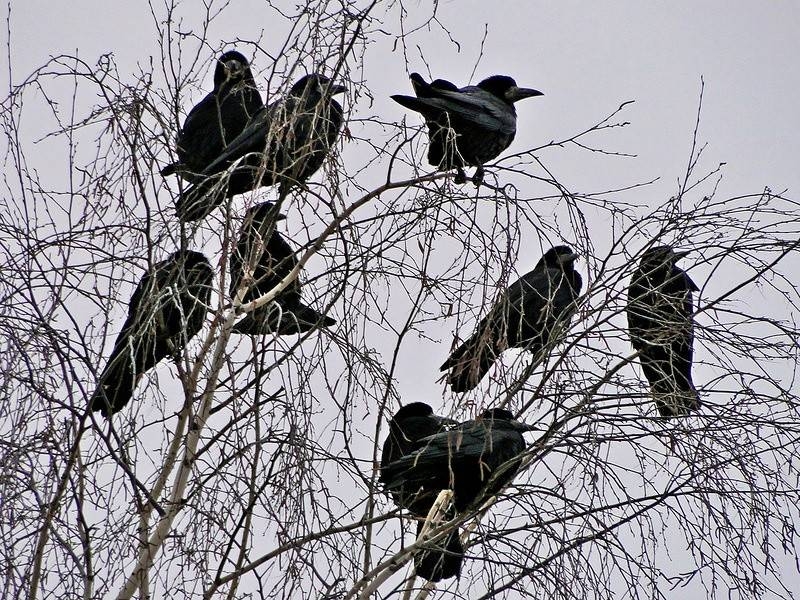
(232, 67)
(558, 257)
(505, 88)
(314, 87)
(660, 259)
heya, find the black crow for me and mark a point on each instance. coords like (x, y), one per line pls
(527, 315)
(476, 459)
(409, 425)
(467, 126)
(166, 310)
(439, 560)
(661, 327)
(285, 143)
(272, 259)
(218, 118)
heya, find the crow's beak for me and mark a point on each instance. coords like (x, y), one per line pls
(514, 93)
(336, 89)
(680, 255)
(565, 259)
(520, 426)
(232, 67)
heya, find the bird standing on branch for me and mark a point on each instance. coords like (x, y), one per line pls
(530, 314)
(264, 252)
(217, 119)
(443, 559)
(166, 310)
(467, 126)
(661, 327)
(409, 425)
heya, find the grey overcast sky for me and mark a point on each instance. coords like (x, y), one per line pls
(587, 58)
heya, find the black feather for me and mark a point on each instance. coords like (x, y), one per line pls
(272, 259)
(166, 310)
(467, 126)
(661, 327)
(527, 315)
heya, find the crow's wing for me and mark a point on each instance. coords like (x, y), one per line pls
(251, 139)
(430, 462)
(466, 110)
(523, 313)
(275, 263)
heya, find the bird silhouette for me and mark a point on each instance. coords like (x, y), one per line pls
(410, 424)
(270, 257)
(529, 314)
(414, 421)
(661, 328)
(474, 459)
(166, 310)
(467, 126)
(217, 119)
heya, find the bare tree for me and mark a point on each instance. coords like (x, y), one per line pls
(247, 466)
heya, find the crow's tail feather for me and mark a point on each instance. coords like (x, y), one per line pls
(468, 364)
(115, 386)
(439, 560)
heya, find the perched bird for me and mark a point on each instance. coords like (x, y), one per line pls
(409, 425)
(661, 327)
(467, 126)
(476, 459)
(529, 315)
(271, 259)
(285, 143)
(166, 310)
(218, 118)
(443, 559)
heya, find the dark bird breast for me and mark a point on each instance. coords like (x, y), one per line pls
(212, 125)
(661, 327)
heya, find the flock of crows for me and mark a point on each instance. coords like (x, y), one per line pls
(232, 142)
